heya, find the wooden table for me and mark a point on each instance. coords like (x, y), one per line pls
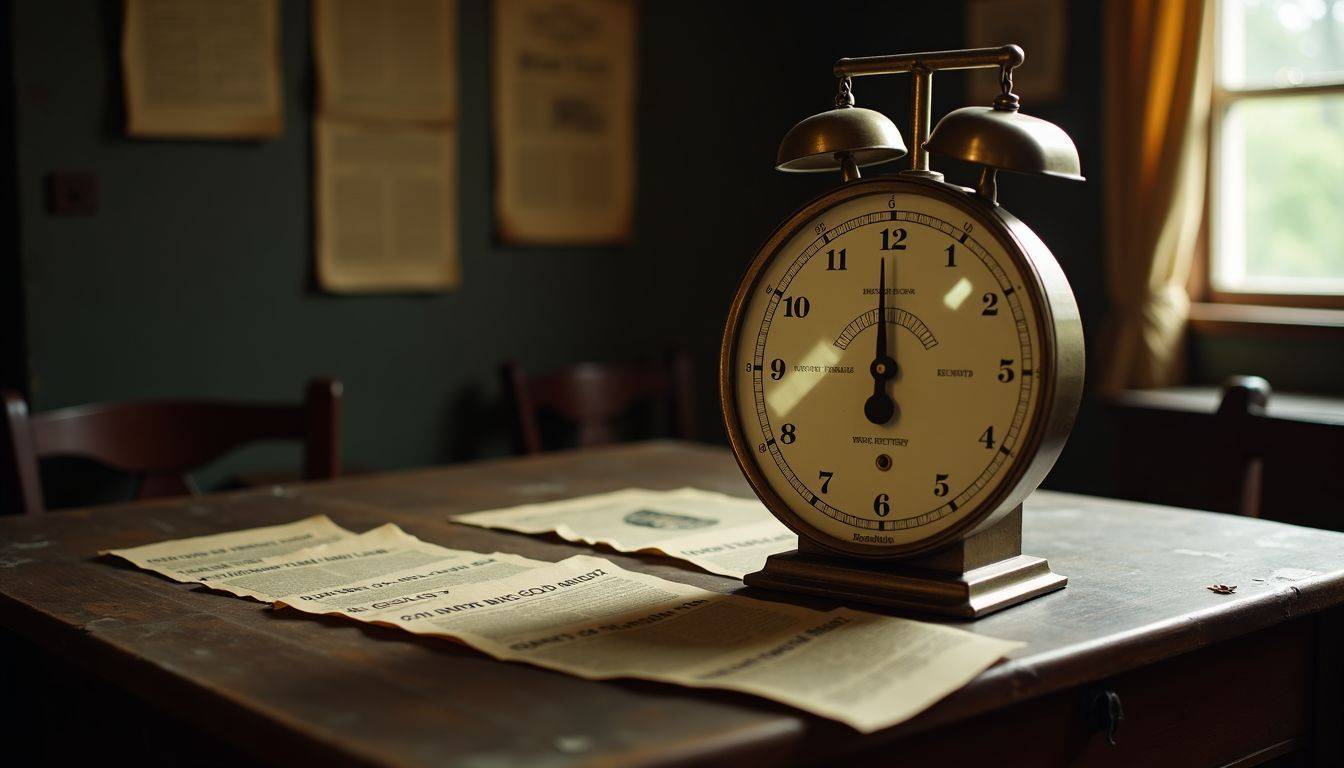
(1203, 678)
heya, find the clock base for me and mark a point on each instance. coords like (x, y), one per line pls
(975, 577)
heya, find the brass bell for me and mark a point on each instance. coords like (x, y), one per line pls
(1001, 138)
(845, 138)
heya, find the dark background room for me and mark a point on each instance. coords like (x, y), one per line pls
(193, 277)
(144, 267)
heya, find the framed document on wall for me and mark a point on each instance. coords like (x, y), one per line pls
(199, 69)
(564, 121)
(386, 207)
(385, 146)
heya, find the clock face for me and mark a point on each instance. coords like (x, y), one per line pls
(886, 369)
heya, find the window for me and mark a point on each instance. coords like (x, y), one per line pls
(1277, 186)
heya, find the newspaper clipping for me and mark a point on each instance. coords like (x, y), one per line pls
(386, 145)
(267, 563)
(386, 206)
(564, 118)
(202, 69)
(722, 534)
(190, 560)
(588, 617)
(386, 62)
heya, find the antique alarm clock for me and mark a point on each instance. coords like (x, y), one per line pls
(903, 359)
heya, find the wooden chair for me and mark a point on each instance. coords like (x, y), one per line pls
(160, 441)
(594, 396)
(1240, 450)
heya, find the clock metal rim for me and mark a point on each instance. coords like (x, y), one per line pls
(1061, 363)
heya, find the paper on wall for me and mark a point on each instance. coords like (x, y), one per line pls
(386, 61)
(386, 206)
(722, 534)
(588, 617)
(564, 119)
(202, 68)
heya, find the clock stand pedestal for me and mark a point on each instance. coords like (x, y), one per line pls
(976, 576)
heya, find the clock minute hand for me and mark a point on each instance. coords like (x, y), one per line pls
(880, 408)
(881, 313)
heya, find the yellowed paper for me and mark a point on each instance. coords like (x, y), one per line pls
(376, 553)
(722, 534)
(386, 61)
(564, 90)
(202, 68)
(408, 587)
(197, 558)
(314, 555)
(587, 617)
(386, 207)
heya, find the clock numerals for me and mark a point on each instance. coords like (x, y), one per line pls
(893, 239)
(987, 437)
(830, 413)
(991, 302)
(796, 307)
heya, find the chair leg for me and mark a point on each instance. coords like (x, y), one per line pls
(526, 430)
(322, 432)
(683, 393)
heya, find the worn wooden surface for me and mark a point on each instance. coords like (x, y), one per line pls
(284, 686)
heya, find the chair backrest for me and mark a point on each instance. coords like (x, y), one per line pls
(160, 441)
(1242, 451)
(593, 396)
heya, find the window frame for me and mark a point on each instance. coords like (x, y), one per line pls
(1222, 99)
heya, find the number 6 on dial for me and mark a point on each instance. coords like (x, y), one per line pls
(871, 360)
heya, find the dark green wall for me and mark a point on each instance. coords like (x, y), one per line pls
(13, 341)
(195, 278)
(1290, 364)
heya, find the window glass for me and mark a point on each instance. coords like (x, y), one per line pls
(1282, 207)
(1276, 43)
(1277, 202)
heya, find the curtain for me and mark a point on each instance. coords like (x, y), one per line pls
(1158, 85)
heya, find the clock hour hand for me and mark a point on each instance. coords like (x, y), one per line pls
(880, 408)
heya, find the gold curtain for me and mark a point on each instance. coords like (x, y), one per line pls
(1158, 83)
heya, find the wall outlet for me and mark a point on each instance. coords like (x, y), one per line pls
(72, 193)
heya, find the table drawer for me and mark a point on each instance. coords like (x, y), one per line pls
(1240, 702)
